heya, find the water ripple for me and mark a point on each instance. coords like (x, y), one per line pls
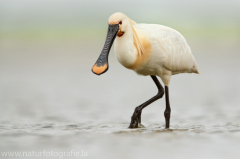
(114, 129)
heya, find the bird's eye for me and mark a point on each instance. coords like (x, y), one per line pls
(120, 22)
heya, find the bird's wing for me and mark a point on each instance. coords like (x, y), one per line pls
(178, 53)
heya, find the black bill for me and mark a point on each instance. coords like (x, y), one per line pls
(101, 66)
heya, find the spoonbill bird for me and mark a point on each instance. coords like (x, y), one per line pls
(147, 49)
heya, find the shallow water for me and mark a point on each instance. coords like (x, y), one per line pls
(52, 101)
(117, 141)
(41, 129)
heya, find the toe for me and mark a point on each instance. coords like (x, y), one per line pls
(140, 125)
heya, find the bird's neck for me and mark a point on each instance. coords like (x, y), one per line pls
(125, 49)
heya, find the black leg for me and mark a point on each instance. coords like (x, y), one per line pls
(136, 117)
(167, 111)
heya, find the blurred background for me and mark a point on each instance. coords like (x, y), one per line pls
(50, 99)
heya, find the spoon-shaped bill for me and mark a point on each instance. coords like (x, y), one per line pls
(101, 65)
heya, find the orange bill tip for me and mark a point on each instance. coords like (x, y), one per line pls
(99, 69)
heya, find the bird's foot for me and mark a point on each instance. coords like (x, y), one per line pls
(140, 125)
(135, 123)
(136, 118)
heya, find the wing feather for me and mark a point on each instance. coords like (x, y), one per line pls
(179, 57)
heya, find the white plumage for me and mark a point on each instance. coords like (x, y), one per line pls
(172, 45)
(169, 54)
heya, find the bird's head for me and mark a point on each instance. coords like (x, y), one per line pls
(117, 25)
(121, 19)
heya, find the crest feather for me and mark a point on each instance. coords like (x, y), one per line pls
(136, 39)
